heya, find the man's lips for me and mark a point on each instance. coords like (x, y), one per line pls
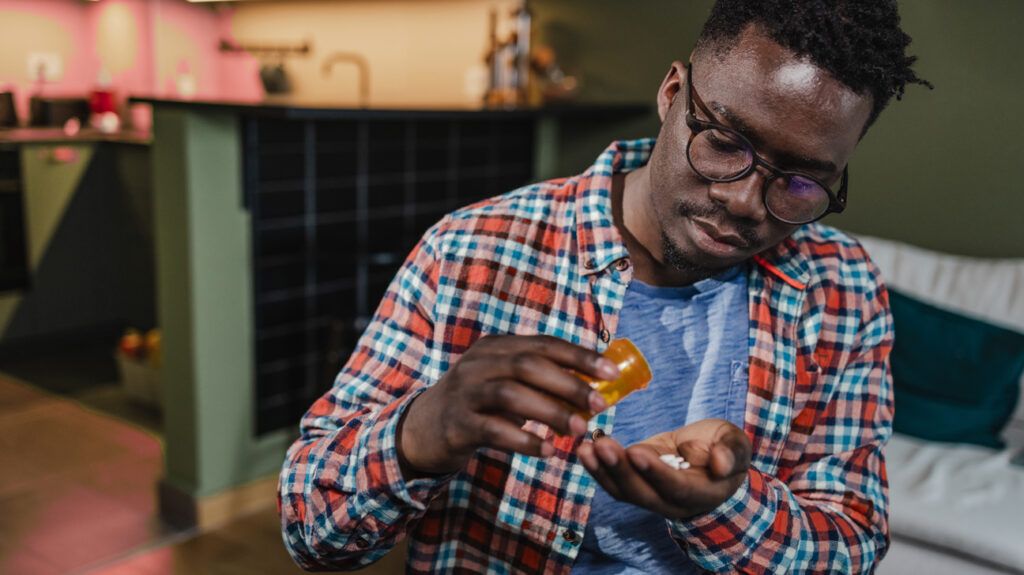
(719, 235)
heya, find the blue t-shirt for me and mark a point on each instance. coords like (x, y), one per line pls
(695, 339)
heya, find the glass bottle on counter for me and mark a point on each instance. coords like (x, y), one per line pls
(522, 38)
(509, 62)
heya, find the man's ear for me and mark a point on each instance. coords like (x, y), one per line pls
(673, 83)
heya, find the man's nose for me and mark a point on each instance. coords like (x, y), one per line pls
(744, 198)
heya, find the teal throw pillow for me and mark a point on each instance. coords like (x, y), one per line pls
(956, 379)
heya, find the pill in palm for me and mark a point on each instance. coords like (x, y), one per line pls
(675, 461)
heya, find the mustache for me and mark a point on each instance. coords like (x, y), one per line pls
(719, 216)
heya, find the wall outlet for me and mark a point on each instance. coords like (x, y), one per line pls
(47, 65)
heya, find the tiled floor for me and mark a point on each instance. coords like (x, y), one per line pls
(77, 495)
(76, 486)
(247, 546)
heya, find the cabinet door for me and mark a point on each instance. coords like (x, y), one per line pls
(13, 260)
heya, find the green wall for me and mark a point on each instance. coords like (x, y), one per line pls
(205, 307)
(938, 170)
(620, 51)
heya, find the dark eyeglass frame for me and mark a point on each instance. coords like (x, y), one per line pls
(836, 200)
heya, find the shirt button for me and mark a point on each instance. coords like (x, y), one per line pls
(571, 536)
(590, 264)
(597, 434)
(622, 265)
(605, 335)
(362, 543)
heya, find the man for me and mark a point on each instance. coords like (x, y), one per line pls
(455, 422)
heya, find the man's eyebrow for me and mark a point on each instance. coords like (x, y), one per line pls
(785, 159)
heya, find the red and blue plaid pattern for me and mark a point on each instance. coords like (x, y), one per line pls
(539, 260)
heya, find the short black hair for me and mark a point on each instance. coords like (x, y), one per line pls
(859, 42)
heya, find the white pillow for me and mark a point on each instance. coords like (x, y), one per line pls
(988, 289)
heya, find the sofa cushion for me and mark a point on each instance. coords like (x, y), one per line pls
(956, 378)
(966, 499)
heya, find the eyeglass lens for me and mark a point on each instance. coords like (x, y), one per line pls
(720, 155)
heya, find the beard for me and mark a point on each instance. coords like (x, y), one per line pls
(674, 255)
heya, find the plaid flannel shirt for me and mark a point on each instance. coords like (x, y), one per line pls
(547, 259)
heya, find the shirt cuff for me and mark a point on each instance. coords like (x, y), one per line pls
(380, 462)
(719, 539)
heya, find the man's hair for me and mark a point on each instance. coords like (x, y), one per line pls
(859, 42)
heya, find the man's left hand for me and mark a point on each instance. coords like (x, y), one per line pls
(718, 453)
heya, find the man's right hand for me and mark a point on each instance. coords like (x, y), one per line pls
(487, 396)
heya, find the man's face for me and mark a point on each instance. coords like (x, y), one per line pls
(796, 115)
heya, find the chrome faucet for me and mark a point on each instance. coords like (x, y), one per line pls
(359, 61)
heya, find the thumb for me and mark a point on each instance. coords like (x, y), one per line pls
(730, 455)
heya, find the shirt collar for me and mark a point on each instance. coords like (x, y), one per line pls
(601, 244)
(786, 262)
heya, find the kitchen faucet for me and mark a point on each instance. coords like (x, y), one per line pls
(359, 61)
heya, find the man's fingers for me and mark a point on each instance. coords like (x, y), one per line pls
(499, 433)
(544, 374)
(562, 352)
(730, 454)
(572, 356)
(695, 452)
(588, 456)
(642, 454)
(672, 485)
(684, 492)
(619, 469)
(514, 419)
(544, 362)
(722, 462)
(510, 397)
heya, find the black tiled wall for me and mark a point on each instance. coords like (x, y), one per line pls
(336, 206)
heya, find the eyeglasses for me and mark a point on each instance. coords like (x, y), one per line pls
(720, 154)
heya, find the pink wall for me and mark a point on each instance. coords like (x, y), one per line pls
(138, 78)
(79, 70)
(217, 75)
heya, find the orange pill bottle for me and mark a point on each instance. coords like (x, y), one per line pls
(634, 373)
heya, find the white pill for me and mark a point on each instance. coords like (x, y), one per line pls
(675, 461)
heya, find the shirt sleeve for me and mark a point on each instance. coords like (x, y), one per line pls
(342, 498)
(828, 513)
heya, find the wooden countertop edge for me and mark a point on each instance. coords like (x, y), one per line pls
(57, 136)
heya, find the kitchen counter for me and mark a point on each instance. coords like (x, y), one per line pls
(293, 108)
(85, 135)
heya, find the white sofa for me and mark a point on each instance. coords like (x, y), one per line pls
(955, 509)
